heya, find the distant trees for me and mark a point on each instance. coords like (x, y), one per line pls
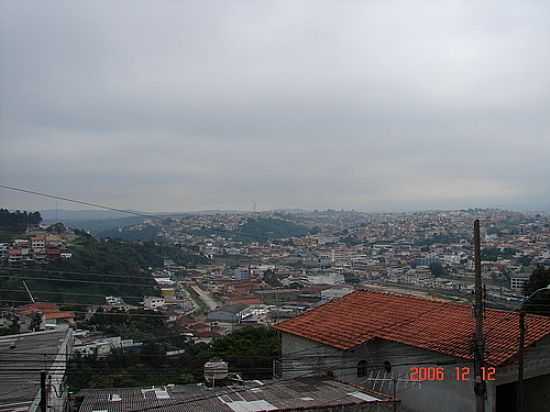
(351, 240)
(36, 322)
(539, 303)
(56, 228)
(106, 260)
(18, 221)
(493, 253)
(137, 324)
(270, 277)
(12, 329)
(250, 350)
(437, 269)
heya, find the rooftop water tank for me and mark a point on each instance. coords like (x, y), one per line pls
(215, 370)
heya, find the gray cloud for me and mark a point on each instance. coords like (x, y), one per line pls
(379, 105)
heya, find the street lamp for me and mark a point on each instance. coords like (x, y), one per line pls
(521, 346)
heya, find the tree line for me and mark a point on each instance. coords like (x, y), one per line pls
(18, 221)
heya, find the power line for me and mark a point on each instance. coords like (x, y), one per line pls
(81, 202)
(66, 272)
(94, 313)
(53, 292)
(218, 394)
(101, 282)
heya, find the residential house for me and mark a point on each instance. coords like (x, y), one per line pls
(38, 242)
(50, 314)
(228, 313)
(153, 302)
(518, 281)
(368, 335)
(4, 250)
(15, 255)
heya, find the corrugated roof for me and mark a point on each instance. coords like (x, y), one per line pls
(21, 356)
(444, 327)
(283, 395)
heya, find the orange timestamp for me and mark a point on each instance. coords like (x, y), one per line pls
(461, 374)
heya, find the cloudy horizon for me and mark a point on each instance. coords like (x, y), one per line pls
(200, 105)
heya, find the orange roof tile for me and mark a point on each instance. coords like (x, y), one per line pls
(37, 307)
(59, 315)
(247, 301)
(444, 327)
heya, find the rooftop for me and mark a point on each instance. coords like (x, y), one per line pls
(20, 365)
(249, 397)
(444, 327)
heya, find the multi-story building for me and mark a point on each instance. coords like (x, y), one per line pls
(14, 255)
(517, 282)
(38, 242)
(153, 302)
(4, 250)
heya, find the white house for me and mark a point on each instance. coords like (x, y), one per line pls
(153, 302)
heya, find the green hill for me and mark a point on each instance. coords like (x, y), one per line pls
(97, 268)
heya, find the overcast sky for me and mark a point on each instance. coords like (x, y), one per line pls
(187, 105)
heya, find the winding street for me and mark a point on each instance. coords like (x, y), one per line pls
(206, 298)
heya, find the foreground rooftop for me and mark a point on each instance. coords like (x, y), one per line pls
(444, 327)
(274, 395)
(22, 357)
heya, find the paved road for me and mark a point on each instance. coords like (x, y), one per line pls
(206, 298)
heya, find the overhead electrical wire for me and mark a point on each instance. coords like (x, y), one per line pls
(66, 272)
(81, 202)
(18, 276)
(53, 292)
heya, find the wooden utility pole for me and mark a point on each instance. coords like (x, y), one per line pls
(43, 393)
(519, 399)
(479, 346)
(394, 380)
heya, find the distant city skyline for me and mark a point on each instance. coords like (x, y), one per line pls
(186, 106)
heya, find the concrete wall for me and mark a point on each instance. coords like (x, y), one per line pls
(223, 316)
(302, 357)
(536, 375)
(57, 396)
(365, 407)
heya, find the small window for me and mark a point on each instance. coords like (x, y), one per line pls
(362, 369)
(115, 397)
(387, 366)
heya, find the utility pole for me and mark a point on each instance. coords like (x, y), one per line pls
(43, 394)
(479, 347)
(521, 349)
(519, 399)
(394, 380)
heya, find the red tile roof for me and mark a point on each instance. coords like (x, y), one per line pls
(444, 327)
(59, 315)
(246, 301)
(37, 307)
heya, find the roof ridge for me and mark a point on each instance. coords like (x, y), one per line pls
(443, 326)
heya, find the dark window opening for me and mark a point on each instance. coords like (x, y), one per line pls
(362, 369)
